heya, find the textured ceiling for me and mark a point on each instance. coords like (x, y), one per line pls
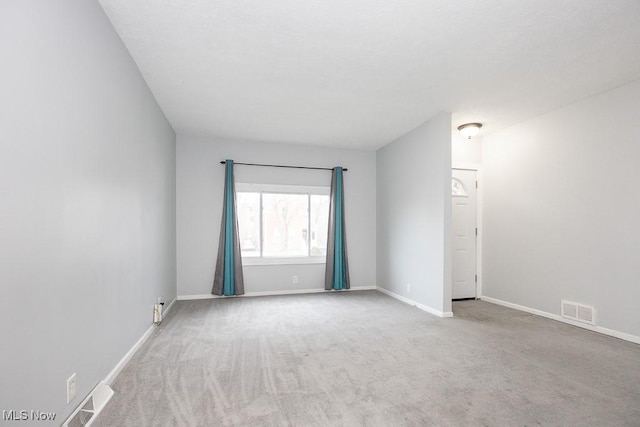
(361, 73)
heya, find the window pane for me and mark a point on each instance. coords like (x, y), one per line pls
(249, 223)
(319, 224)
(285, 220)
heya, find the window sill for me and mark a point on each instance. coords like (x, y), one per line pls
(250, 262)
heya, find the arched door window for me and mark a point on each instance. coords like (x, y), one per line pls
(457, 188)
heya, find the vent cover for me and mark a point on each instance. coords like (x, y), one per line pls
(578, 312)
(89, 409)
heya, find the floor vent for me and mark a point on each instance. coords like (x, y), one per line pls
(578, 312)
(89, 409)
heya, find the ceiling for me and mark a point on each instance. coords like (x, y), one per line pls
(360, 73)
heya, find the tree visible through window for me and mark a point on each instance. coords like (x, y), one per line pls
(283, 224)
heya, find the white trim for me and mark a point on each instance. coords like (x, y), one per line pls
(478, 168)
(416, 304)
(198, 296)
(283, 292)
(480, 232)
(262, 189)
(606, 331)
(304, 260)
(247, 187)
(466, 165)
(169, 307)
(267, 293)
(111, 377)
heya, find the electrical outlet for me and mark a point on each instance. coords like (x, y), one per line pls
(295, 279)
(408, 287)
(71, 388)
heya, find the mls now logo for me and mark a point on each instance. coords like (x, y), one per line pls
(25, 415)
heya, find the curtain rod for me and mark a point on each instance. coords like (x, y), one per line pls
(282, 166)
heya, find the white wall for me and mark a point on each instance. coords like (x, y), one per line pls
(414, 215)
(561, 210)
(200, 182)
(87, 203)
(466, 152)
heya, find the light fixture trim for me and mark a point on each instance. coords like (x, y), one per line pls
(470, 129)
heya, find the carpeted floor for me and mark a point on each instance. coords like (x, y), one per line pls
(365, 359)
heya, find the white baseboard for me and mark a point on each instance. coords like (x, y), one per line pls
(198, 296)
(111, 377)
(416, 304)
(267, 293)
(606, 331)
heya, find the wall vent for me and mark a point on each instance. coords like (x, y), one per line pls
(578, 312)
(90, 407)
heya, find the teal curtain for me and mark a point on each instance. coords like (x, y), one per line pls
(228, 279)
(337, 267)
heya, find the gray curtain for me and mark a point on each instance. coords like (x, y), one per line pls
(228, 279)
(337, 267)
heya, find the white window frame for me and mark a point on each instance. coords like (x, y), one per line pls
(243, 187)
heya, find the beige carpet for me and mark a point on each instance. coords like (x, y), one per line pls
(363, 358)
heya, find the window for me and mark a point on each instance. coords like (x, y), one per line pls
(281, 224)
(457, 188)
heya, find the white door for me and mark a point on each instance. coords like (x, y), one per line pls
(463, 199)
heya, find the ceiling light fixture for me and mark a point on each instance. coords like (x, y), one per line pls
(470, 129)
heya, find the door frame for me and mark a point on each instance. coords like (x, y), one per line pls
(478, 169)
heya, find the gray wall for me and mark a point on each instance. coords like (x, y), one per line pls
(200, 182)
(414, 214)
(87, 203)
(561, 210)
